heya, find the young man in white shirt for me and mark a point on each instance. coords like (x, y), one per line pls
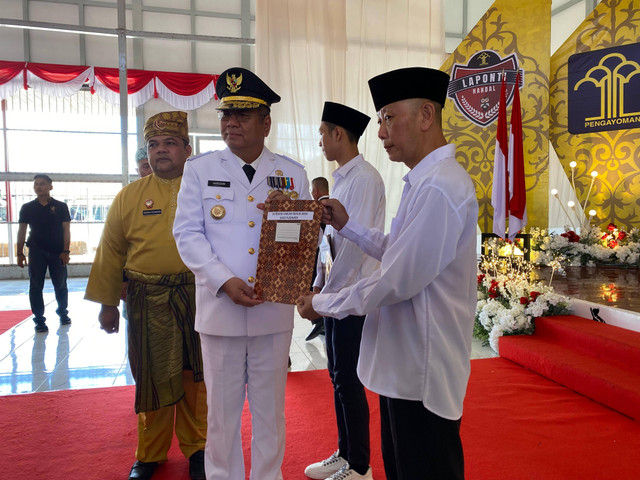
(416, 342)
(359, 187)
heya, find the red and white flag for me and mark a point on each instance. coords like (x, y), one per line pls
(500, 188)
(518, 203)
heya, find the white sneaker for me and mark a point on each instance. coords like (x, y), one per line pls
(345, 473)
(325, 468)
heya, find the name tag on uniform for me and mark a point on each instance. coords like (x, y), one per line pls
(157, 211)
(218, 183)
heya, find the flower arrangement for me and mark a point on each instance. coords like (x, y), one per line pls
(592, 247)
(508, 301)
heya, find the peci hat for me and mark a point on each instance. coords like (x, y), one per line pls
(173, 124)
(345, 117)
(141, 154)
(412, 82)
(241, 89)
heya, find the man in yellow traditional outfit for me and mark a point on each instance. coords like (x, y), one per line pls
(164, 349)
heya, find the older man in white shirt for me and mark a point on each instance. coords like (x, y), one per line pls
(416, 343)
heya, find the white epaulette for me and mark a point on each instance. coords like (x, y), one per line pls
(199, 155)
(284, 157)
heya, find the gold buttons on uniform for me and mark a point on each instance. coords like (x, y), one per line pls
(252, 251)
(251, 279)
(250, 198)
(218, 197)
(252, 224)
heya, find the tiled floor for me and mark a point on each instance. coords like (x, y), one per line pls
(81, 355)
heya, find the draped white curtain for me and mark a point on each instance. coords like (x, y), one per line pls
(311, 51)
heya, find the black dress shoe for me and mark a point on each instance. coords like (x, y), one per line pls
(65, 321)
(142, 470)
(196, 466)
(318, 329)
(41, 327)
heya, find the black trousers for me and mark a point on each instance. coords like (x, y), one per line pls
(352, 410)
(39, 262)
(418, 444)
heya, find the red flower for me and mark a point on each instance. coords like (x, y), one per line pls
(604, 236)
(481, 277)
(493, 294)
(572, 236)
(622, 235)
(613, 244)
(524, 300)
(534, 295)
(611, 227)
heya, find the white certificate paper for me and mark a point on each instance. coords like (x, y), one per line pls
(288, 232)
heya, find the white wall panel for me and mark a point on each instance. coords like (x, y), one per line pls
(12, 44)
(477, 8)
(453, 16)
(184, 4)
(216, 57)
(226, 6)
(103, 17)
(166, 22)
(53, 12)
(11, 9)
(564, 23)
(166, 55)
(54, 47)
(103, 51)
(218, 26)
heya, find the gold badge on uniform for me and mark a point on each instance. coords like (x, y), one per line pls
(148, 203)
(218, 212)
(279, 172)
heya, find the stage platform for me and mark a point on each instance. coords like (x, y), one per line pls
(611, 290)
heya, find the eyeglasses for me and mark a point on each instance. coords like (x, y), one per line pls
(242, 116)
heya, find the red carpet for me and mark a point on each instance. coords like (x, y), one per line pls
(10, 318)
(517, 425)
(597, 360)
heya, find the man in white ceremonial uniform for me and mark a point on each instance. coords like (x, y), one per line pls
(360, 189)
(416, 342)
(245, 342)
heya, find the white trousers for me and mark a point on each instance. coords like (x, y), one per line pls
(236, 368)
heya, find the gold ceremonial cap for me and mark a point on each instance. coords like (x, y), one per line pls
(170, 124)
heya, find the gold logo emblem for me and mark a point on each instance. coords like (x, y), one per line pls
(148, 203)
(218, 212)
(483, 59)
(611, 84)
(279, 172)
(159, 124)
(233, 82)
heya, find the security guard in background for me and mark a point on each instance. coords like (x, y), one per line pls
(245, 342)
(164, 349)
